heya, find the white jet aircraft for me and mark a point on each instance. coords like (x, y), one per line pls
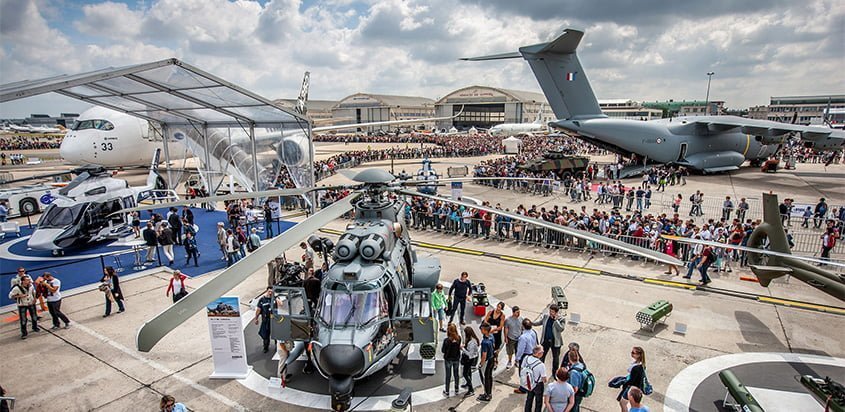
(514, 129)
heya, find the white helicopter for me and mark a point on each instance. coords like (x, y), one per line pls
(86, 209)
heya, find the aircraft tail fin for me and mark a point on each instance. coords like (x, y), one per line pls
(302, 100)
(559, 72)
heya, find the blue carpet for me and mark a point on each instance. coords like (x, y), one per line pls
(84, 266)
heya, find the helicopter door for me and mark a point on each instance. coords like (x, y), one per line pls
(291, 317)
(413, 319)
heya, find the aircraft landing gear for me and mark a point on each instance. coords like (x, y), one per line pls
(341, 390)
(58, 252)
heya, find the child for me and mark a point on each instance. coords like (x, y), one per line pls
(808, 213)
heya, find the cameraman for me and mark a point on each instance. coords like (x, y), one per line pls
(54, 299)
(551, 334)
(24, 294)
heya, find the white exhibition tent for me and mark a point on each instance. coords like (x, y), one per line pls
(512, 145)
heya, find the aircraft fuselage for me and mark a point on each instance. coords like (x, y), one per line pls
(660, 142)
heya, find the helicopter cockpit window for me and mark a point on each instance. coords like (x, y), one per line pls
(60, 216)
(341, 308)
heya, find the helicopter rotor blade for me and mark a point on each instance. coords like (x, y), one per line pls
(616, 244)
(754, 250)
(152, 331)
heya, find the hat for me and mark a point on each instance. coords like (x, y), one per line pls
(220, 224)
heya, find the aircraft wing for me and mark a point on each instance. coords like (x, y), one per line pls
(822, 137)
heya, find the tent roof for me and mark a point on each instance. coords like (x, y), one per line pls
(168, 91)
(512, 139)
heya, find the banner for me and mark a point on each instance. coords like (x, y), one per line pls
(227, 338)
(457, 190)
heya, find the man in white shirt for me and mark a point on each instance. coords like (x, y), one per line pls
(54, 299)
(534, 380)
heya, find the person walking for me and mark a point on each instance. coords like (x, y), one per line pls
(177, 286)
(560, 395)
(828, 243)
(191, 249)
(635, 398)
(451, 349)
(221, 240)
(551, 336)
(486, 363)
(150, 241)
(111, 283)
(254, 241)
(175, 223)
(635, 377)
(469, 357)
(23, 293)
(532, 378)
(233, 248)
(513, 328)
(438, 306)
(576, 376)
(262, 314)
(54, 299)
(460, 288)
(165, 239)
(707, 258)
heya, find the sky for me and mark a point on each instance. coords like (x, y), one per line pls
(642, 50)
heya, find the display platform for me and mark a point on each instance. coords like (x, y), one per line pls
(372, 393)
(772, 378)
(84, 266)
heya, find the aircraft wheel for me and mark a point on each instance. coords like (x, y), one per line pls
(58, 253)
(28, 207)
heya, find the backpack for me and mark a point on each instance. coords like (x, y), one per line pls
(588, 382)
(526, 374)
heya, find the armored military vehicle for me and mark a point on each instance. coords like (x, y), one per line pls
(558, 162)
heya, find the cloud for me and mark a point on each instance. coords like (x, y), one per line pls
(642, 50)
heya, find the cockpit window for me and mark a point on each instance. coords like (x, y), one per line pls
(98, 124)
(340, 308)
(58, 217)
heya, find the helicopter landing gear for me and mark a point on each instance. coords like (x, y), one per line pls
(341, 390)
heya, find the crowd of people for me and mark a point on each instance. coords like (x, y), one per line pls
(562, 387)
(28, 143)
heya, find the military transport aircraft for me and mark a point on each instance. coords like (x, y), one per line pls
(702, 143)
(375, 297)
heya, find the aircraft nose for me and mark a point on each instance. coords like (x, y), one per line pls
(70, 149)
(43, 239)
(346, 360)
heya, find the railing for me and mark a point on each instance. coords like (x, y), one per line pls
(527, 233)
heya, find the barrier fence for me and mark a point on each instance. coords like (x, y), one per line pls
(663, 202)
(527, 233)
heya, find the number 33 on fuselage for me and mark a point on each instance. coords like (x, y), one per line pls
(109, 138)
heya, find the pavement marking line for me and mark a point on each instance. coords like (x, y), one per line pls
(449, 248)
(787, 302)
(549, 264)
(670, 283)
(161, 368)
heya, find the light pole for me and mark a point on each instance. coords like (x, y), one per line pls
(707, 99)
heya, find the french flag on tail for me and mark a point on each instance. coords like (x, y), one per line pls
(570, 76)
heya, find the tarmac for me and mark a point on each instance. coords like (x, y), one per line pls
(93, 365)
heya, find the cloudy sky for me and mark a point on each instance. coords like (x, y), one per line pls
(644, 49)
